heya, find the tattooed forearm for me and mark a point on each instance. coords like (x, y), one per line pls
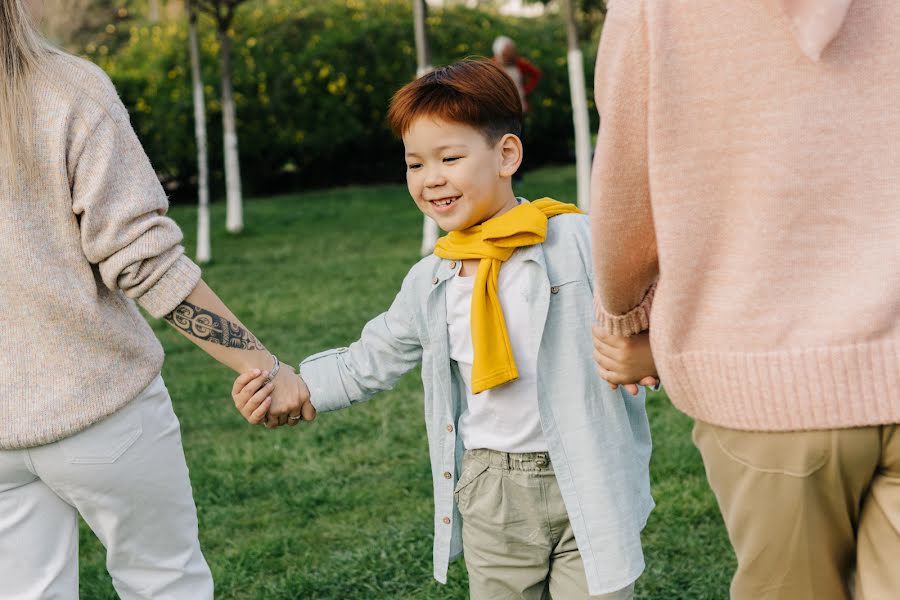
(210, 327)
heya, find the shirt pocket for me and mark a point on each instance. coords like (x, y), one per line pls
(570, 292)
(106, 441)
(570, 311)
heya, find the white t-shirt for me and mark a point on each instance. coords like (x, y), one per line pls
(503, 418)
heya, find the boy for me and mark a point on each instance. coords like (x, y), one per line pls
(540, 470)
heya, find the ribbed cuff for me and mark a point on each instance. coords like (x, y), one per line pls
(172, 288)
(631, 323)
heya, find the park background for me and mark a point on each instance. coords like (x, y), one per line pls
(340, 508)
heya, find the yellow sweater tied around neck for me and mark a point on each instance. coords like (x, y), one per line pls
(493, 242)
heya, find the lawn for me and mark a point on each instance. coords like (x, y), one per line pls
(341, 508)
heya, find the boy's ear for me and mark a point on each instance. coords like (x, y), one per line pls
(511, 154)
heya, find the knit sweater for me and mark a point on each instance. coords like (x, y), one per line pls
(80, 241)
(759, 190)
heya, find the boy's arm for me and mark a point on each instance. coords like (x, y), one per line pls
(388, 347)
(624, 240)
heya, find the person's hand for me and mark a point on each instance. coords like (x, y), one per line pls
(290, 400)
(251, 395)
(625, 361)
(254, 398)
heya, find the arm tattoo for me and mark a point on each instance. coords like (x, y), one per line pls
(210, 327)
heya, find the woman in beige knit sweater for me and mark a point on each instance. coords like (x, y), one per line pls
(86, 423)
(746, 186)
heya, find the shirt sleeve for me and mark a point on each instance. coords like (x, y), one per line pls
(388, 347)
(121, 208)
(624, 242)
(531, 74)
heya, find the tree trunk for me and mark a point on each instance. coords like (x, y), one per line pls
(204, 251)
(423, 53)
(579, 110)
(234, 219)
(153, 10)
(423, 65)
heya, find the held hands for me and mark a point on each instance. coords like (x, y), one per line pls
(284, 401)
(625, 361)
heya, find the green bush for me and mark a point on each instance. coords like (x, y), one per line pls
(312, 83)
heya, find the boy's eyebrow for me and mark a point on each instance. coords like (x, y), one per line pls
(439, 148)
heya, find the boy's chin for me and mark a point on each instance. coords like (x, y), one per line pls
(453, 225)
(447, 223)
(456, 222)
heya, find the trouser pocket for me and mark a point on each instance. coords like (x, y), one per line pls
(471, 471)
(107, 440)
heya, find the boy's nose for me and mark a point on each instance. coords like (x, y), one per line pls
(434, 179)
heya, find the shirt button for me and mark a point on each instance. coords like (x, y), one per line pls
(554, 289)
(434, 280)
(446, 520)
(450, 428)
(452, 264)
(447, 475)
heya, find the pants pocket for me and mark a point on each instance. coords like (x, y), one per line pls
(792, 453)
(472, 470)
(106, 441)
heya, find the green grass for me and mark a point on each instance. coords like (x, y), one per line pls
(341, 508)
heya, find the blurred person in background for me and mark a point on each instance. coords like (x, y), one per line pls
(523, 73)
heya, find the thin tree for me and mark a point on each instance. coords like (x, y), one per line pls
(204, 248)
(153, 10)
(423, 65)
(580, 118)
(222, 11)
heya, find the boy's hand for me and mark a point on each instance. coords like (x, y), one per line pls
(290, 400)
(254, 400)
(625, 361)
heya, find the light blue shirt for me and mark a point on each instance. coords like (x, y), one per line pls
(598, 439)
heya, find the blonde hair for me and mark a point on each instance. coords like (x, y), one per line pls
(21, 49)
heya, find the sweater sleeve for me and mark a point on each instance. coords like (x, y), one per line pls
(624, 242)
(121, 208)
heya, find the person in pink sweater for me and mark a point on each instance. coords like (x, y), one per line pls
(745, 211)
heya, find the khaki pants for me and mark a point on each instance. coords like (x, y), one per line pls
(804, 510)
(517, 540)
(127, 477)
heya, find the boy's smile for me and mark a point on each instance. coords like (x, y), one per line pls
(455, 175)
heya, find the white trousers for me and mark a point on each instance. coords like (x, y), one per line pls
(127, 477)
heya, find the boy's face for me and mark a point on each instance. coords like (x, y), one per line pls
(455, 176)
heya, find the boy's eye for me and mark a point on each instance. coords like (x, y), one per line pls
(452, 158)
(413, 166)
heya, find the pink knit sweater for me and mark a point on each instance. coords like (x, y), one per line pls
(760, 190)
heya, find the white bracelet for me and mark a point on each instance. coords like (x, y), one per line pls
(274, 372)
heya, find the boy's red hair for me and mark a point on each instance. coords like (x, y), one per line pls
(477, 93)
